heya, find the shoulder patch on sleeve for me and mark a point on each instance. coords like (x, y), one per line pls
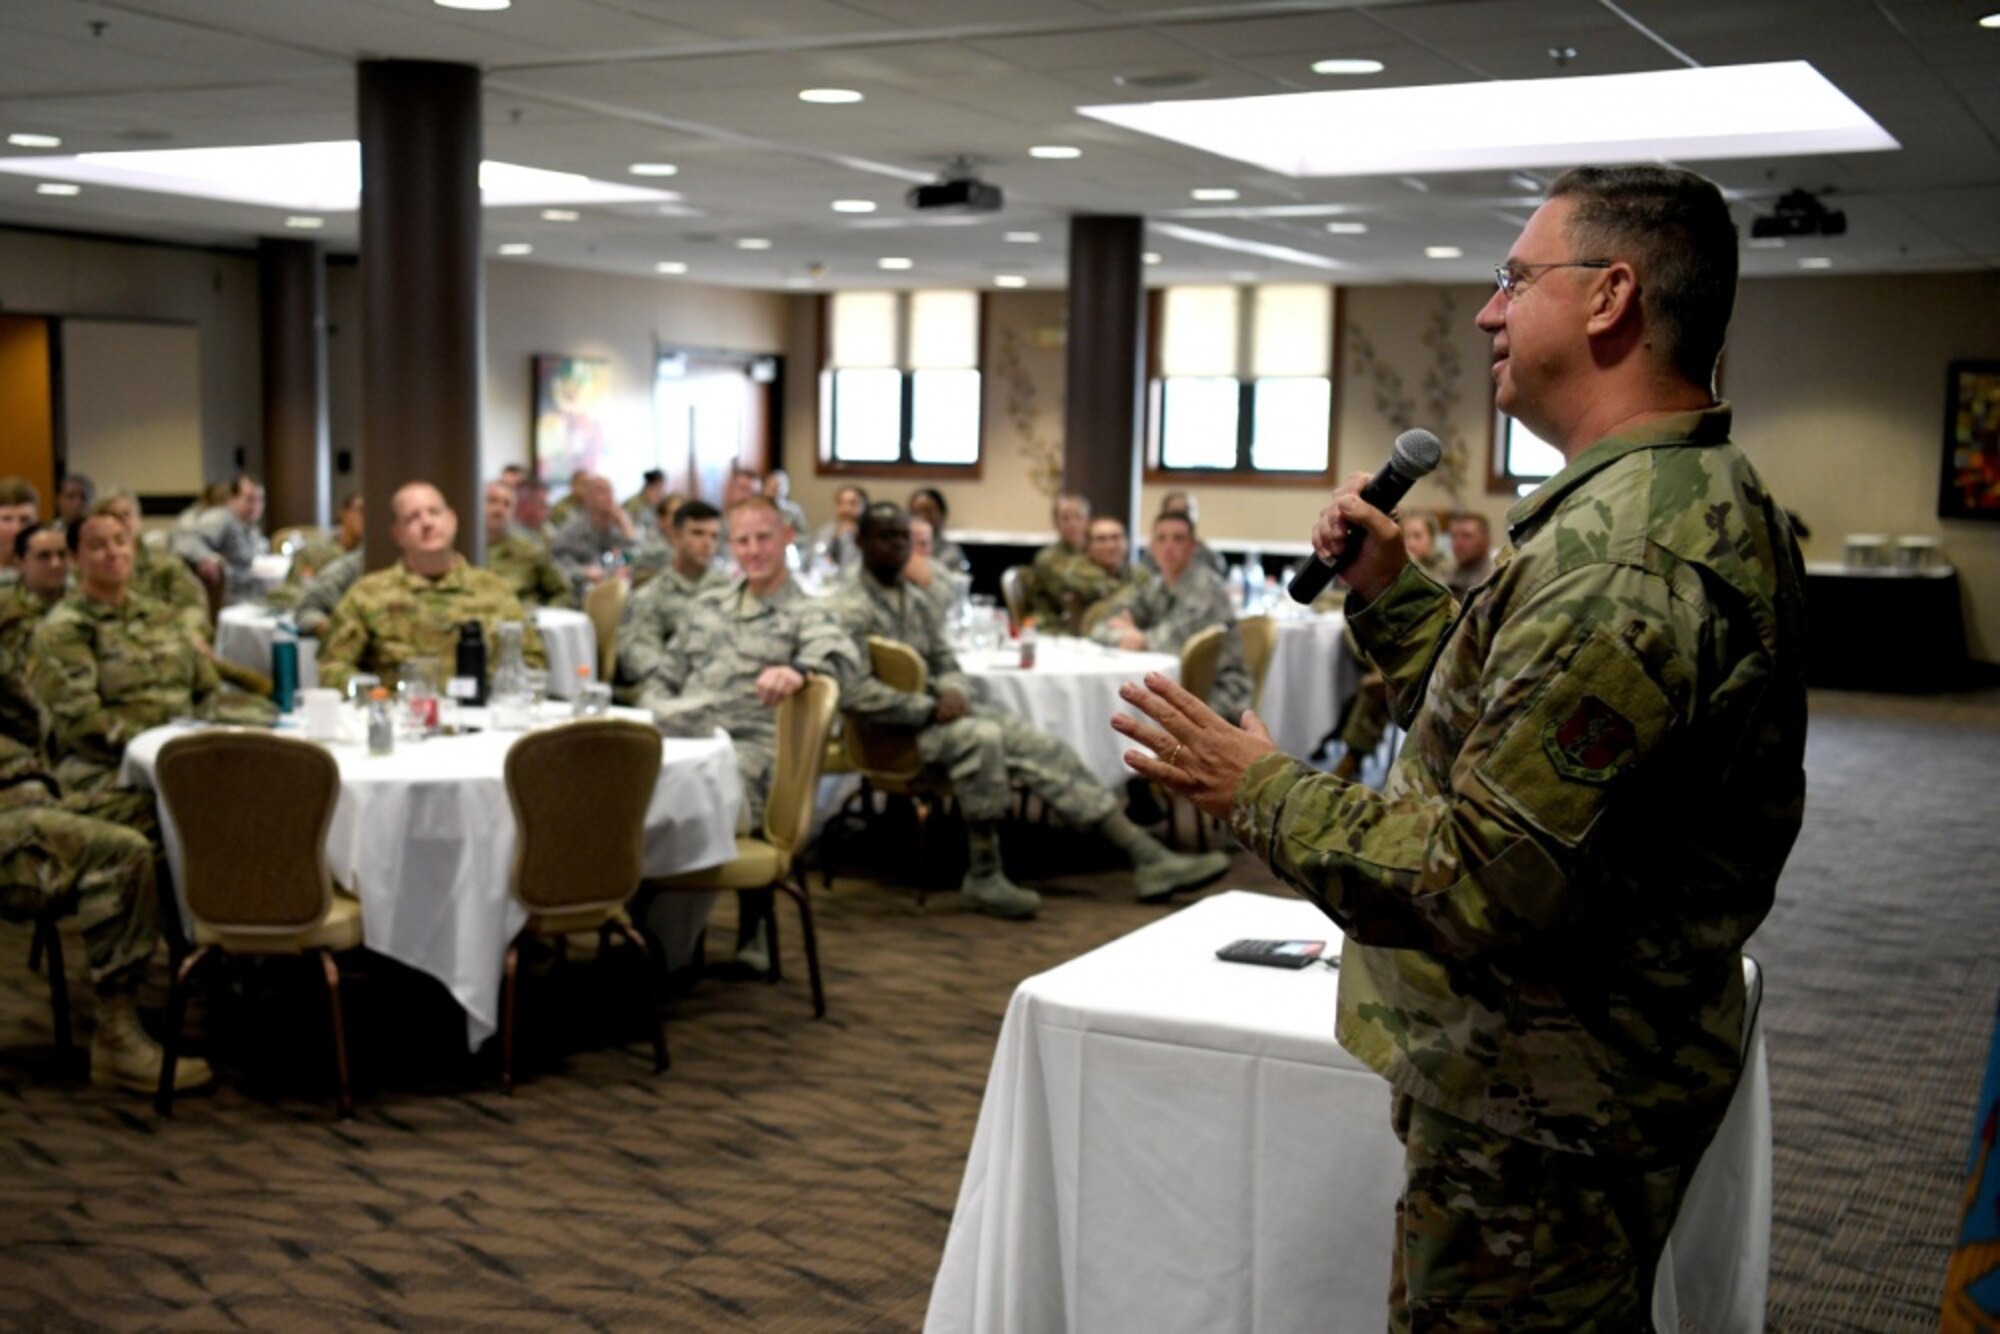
(1591, 722)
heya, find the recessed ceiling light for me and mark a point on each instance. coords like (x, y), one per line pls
(830, 97)
(895, 262)
(517, 248)
(1217, 196)
(1815, 262)
(1348, 65)
(1722, 112)
(854, 206)
(560, 215)
(1009, 280)
(797, 281)
(58, 188)
(1055, 152)
(473, 4)
(1347, 228)
(670, 266)
(1990, 20)
(654, 169)
(1022, 238)
(1242, 276)
(752, 243)
(1151, 257)
(304, 222)
(34, 141)
(1443, 252)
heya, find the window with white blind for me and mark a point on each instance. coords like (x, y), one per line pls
(1245, 380)
(1521, 459)
(901, 388)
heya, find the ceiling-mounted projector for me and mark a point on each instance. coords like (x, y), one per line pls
(957, 191)
(1800, 214)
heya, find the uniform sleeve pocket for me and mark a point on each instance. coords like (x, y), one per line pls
(1592, 722)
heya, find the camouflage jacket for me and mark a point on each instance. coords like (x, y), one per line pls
(1172, 614)
(530, 571)
(905, 614)
(104, 674)
(708, 671)
(21, 612)
(392, 615)
(324, 591)
(1546, 907)
(580, 544)
(312, 558)
(653, 614)
(165, 577)
(1066, 583)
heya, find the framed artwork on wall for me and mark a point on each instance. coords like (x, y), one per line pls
(1970, 485)
(570, 398)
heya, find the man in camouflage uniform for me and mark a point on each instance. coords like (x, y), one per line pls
(107, 664)
(523, 561)
(984, 751)
(323, 592)
(223, 541)
(1110, 551)
(1065, 580)
(20, 505)
(315, 556)
(1162, 614)
(43, 557)
(414, 608)
(741, 650)
(49, 855)
(641, 503)
(654, 612)
(1546, 909)
(596, 530)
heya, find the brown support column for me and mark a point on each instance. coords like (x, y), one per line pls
(291, 285)
(1104, 393)
(422, 300)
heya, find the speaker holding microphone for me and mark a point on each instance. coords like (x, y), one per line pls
(1413, 456)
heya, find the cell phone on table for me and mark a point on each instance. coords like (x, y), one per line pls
(1273, 953)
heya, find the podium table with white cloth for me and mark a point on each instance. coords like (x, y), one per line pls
(1171, 1143)
(424, 837)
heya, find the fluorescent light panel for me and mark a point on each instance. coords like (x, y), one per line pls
(1735, 111)
(307, 178)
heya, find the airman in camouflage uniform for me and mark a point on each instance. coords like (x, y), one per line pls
(1065, 581)
(323, 592)
(985, 751)
(49, 855)
(223, 541)
(654, 612)
(1546, 908)
(520, 558)
(1163, 613)
(414, 608)
(44, 562)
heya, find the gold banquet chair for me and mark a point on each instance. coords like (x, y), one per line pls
(770, 862)
(887, 758)
(1260, 641)
(253, 810)
(579, 794)
(605, 605)
(1201, 659)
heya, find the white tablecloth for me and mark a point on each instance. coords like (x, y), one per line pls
(243, 635)
(1170, 1142)
(1070, 692)
(1311, 675)
(425, 838)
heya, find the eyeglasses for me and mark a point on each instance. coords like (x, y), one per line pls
(1511, 278)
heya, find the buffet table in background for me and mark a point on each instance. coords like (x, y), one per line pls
(1170, 1142)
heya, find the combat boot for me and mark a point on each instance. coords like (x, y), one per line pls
(992, 892)
(1169, 873)
(124, 1056)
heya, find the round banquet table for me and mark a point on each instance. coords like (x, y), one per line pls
(424, 838)
(243, 635)
(1071, 692)
(1310, 677)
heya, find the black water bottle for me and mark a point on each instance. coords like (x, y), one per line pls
(470, 683)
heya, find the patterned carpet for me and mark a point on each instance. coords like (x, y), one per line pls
(789, 1174)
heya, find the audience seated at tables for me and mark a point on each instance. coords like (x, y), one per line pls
(223, 541)
(415, 607)
(1162, 614)
(599, 535)
(107, 663)
(928, 504)
(641, 503)
(1471, 553)
(531, 509)
(1110, 551)
(1183, 502)
(741, 650)
(20, 506)
(73, 499)
(49, 855)
(833, 545)
(42, 553)
(656, 610)
(983, 751)
(519, 559)
(1065, 579)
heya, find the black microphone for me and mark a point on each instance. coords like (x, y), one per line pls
(1415, 453)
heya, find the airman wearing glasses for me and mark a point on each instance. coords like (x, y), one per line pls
(1545, 908)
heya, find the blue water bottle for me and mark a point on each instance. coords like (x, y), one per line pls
(284, 666)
